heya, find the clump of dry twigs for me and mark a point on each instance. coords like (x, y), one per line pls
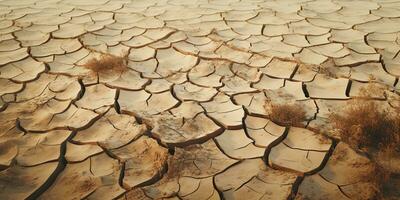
(108, 63)
(286, 114)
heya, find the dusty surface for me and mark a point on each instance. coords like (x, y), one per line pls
(186, 120)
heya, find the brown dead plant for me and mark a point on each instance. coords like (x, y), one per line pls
(366, 126)
(286, 114)
(108, 63)
(372, 127)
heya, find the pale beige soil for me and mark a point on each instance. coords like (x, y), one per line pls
(185, 115)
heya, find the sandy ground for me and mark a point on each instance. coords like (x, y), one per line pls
(187, 120)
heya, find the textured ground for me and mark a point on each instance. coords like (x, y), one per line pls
(187, 120)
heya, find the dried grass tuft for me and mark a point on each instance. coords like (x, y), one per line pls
(365, 126)
(286, 114)
(108, 63)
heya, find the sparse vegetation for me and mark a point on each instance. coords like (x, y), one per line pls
(108, 63)
(286, 114)
(366, 126)
(378, 177)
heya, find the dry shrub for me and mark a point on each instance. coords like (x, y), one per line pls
(364, 125)
(367, 126)
(378, 178)
(286, 114)
(108, 63)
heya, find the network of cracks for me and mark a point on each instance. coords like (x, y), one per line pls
(188, 118)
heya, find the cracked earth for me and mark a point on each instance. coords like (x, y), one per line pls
(187, 119)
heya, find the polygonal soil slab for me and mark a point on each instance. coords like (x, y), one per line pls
(97, 96)
(316, 187)
(224, 111)
(8, 151)
(9, 87)
(190, 172)
(37, 148)
(50, 86)
(251, 74)
(236, 85)
(108, 169)
(280, 69)
(80, 180)
(31, 38)
(201, 160)
(158, 86)
(56, 46)
(291, 91)
(301, 151)
(21, 71)
(129, 80)
(80, 152)
(355, 58)
(144, 161)
(179, 131)
(37, 89)
(143, 103)
(57, 114)
(252, 179)
(188, 91)
(333, 50)
(344, 176)
(253, 102)
(203, 74)
(268, 83)
(324, 87)
(236, 144)
(263, 131)
(201, 79)
(20, 182)
(233, 55)
(111, 131)
(171, 61)
(192, 188)
(372, 72)
(12, 56)
(310, 57)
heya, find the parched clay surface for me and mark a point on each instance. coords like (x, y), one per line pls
(187, 118)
